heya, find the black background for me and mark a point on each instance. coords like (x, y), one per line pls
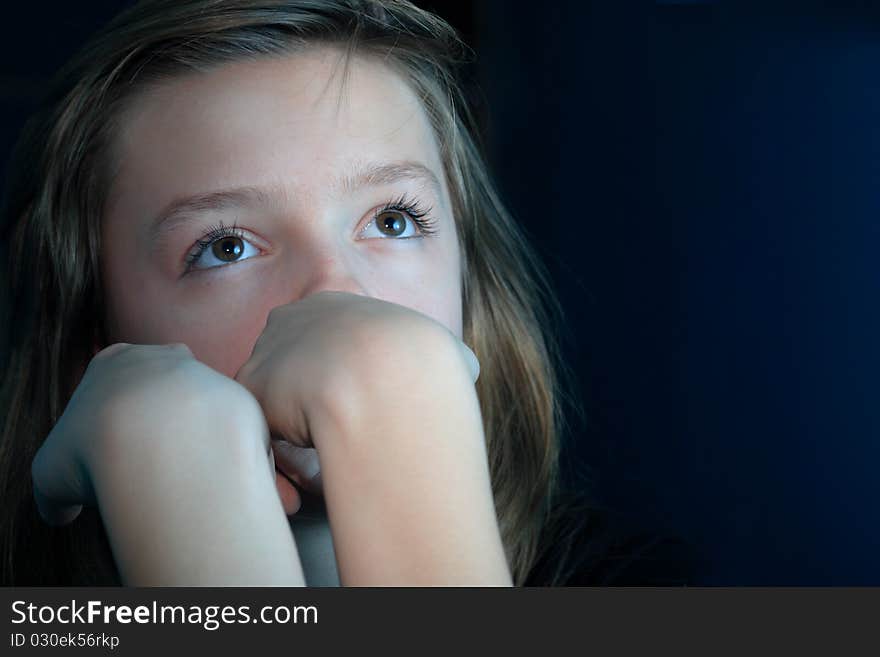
(701, 181)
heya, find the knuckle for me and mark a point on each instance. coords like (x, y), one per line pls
(397, 344)
(111, 349)
(275, 312)
(180, 347)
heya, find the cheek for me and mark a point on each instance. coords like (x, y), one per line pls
(436, 294)
(220, 319)
(439, 294)
(224, 346)
(220, 328)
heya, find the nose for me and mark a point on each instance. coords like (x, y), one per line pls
(330, 273)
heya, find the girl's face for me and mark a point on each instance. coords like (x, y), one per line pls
(258, 184)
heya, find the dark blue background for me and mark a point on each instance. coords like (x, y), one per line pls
(702, 182)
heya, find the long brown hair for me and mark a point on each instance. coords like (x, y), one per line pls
(60, 174)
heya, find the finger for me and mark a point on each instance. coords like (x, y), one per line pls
(300, 464)
(288, 494)
(472, 361)
(55, 514)
(58, 505)
(271, 461)
(110, 349)
(180, 346)
(59, 487)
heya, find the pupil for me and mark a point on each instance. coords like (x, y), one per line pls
(228, 249)
(393, 224)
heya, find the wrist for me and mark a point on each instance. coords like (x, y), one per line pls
(410, 449)
(203, 498)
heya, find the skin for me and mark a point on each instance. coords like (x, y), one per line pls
(182, 503)
(281, 125)
(274, 124)
(277, 125)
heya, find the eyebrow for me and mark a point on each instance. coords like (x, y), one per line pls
(373, 174)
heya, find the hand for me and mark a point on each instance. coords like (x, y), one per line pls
(176, 456)
(129, 395)
(312, 357)
(385, 396)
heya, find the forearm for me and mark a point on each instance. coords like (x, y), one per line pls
(192, 511)
(407, 485)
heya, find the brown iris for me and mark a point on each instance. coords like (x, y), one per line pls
(228, 248)
(391, 223)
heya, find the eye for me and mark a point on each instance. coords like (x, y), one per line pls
(222, 245)
(402, 219)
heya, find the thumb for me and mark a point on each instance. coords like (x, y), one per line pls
(300, 464)
(59, 492)
(473, 362)
(60, 482)
(55, 514)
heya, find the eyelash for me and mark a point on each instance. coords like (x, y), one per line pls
(426, 224)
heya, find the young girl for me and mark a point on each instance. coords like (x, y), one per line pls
(260, 282)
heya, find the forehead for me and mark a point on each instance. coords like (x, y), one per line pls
(291, 122)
